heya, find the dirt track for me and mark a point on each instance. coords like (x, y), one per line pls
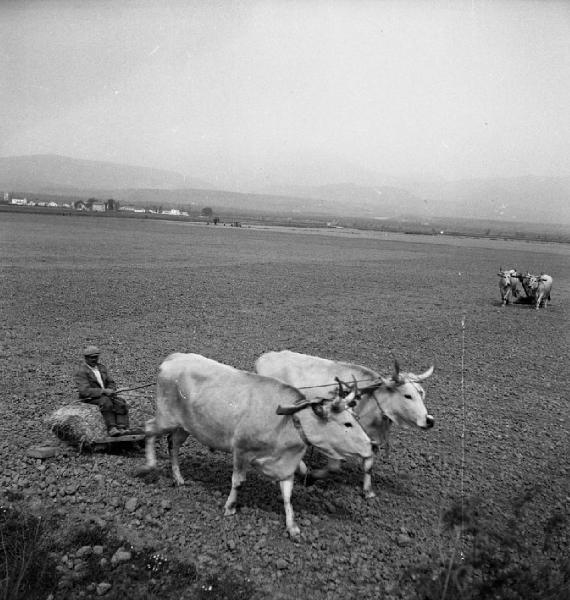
(141, 290)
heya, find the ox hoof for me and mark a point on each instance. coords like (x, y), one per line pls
(147, 474)
(144, 470)
(294, 533)
(309, 480)
(229, 511)
(369, 495)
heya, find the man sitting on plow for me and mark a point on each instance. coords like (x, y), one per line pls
(96, 386)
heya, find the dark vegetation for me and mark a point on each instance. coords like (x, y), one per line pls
(477, 508)
(506, 558)
(488, 560)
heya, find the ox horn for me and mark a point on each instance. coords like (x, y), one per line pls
(349, 395)
(396, 377)
(341, 385)
(423, 375)
(344, 389)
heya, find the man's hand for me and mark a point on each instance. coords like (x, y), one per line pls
(109, 392)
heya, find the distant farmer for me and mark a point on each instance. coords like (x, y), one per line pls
(96, 386)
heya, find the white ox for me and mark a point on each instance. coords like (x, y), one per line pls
(398, 399)
(539, 288)
(265, 423)
(508, 285)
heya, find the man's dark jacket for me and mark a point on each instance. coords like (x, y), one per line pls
(87, 383)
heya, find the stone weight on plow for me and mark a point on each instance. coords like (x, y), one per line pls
(82, 425)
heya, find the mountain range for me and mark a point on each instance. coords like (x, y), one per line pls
(364, 194)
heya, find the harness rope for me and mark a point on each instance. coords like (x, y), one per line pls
(310, 387)
(306, 387)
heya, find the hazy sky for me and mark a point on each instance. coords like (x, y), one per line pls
(446, 88)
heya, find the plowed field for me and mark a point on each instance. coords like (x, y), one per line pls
(143, 289)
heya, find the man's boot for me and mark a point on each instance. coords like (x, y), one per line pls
(111, 424)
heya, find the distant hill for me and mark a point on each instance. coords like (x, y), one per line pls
(513, 200)
(516, 199)
(376, 202)
(49, 173)
(519, 199)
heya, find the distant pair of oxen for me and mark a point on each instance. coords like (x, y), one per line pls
(536, 287)
(268, 419)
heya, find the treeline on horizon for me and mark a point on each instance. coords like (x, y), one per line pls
(544, 232)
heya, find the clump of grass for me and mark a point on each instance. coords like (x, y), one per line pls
(27, 570)
(36, 561)
(504, 558)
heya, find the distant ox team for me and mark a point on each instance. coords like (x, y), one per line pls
(537, 288)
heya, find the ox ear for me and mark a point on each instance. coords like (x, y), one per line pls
(387, 383)
(319, 410)
(316, 405)
(423, 375)
(288, 410)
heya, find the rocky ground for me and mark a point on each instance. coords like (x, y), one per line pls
(482, 498)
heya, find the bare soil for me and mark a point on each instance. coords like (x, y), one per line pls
(141, 290)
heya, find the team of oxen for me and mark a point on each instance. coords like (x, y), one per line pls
(269, 418)
(536, 287)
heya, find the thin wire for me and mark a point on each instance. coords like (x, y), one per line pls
(461, 466)
(462, 469)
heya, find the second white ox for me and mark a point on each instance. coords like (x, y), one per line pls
(398, 399)
(537, 288)
(265, 423)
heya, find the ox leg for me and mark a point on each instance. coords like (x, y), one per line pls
(367, 491)
(177, 438)
(238, 477)
(150, 439)
(301, 469)
(286, 489)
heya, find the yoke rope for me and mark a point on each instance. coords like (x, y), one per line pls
(306, 387)
(310, 387)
